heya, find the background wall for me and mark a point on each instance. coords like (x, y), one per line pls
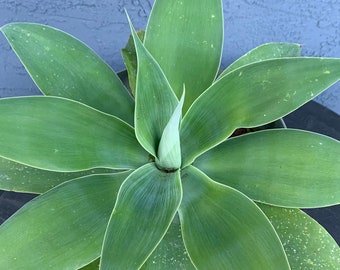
(248, 23)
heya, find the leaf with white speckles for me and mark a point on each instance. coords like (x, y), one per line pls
(307, 244)
(173, 244)
(265, 52)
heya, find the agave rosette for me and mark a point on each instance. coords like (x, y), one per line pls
(154, 181)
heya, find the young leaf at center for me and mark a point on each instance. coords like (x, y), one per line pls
(169, 150)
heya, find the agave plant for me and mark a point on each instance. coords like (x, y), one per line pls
(154, 180)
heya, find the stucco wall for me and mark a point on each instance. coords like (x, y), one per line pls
(103, 26)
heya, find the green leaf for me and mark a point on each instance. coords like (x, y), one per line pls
(284, 167)
(307, 244)
(169, 150)
(155, 100)
(63, 66)
(186, 39)
(21, 178)
(253, 95)
(130, 60)
(223, 229)
(265, 52)
(170, 253)
(63, 228)
(57, 134)
(146, 205)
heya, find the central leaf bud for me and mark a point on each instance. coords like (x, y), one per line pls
(169, 149)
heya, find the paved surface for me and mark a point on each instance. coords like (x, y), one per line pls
(103, 26)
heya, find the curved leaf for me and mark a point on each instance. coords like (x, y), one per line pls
(265, 52)
(155, 100)
(21, 178)
(170, 253)
(284, 167)
(63, 228)
(62, 135)
(251, 96)
(146, 205)
(223, 229)
(186, 39)
(74, 70)
(307, 244)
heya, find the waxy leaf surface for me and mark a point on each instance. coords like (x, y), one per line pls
(186, 40)
(251, 96)
(58, 134)
(63, 228)
(285, 167)
(307, 244)
(146, 205)
(155, 100)
(74, 70)
(223, 229)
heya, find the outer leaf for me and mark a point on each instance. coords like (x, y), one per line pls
(74, 70)
(146, 205)
(62, 135)
(155, 100)
(169, 150)
(265, 52)
(62, 229)
(253, 95)
(170, 253)
(307, 244)
(194, 34)
(223, 229)
(18, 177)
(284, 167)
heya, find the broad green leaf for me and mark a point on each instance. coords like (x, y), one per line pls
(155, 100)
(63, 66)
(63, 228)
(21, 178)
(146, 204)
(284, 167)
(265, 52)
(170, 254)
(224, 229)
(186, 39)
(169, 150)
(307, 244)
(251, 96)
(130, 60)
(58, 134)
